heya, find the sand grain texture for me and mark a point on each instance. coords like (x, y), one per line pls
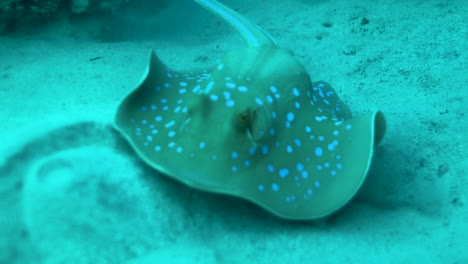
(73, 192)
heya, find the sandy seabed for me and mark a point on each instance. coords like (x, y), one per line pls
(72, 191)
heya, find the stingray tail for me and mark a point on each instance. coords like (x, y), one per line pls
(253, 34)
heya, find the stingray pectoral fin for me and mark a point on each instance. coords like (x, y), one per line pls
(125, 119)
(156, 72)
(336, 190)
(332, 174)
(365, 132)
(155, 75)
(159, 102)
(380, 127)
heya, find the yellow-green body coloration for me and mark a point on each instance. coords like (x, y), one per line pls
(253, 126)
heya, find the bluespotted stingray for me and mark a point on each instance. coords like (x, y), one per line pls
(253, 126)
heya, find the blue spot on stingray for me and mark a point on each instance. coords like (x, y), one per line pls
(231, 85)
(227, 95)
(264, 149)
(290, 116)
(169, 124)
(196, 89)
(258, 101)
(270, 168)
(297, 141)
(261, 187)
(283, 173)
(299, 166)
(318, 151)
(269, 99)
(230, 103)
(295, 91)
(320, 118)
(202, 145)
(242, 89)
(214, 97)
(252, 151)
(234, 155)
(275, 187)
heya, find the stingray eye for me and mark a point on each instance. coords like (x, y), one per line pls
(245, 117)
(243, 121)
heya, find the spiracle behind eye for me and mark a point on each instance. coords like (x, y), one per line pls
(255, 123)
(261, 123)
